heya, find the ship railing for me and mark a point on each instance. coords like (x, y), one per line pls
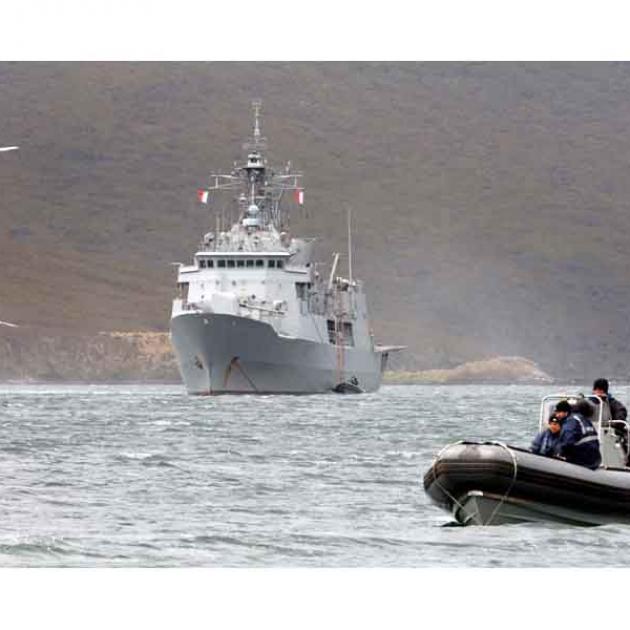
(190, 306)
(181, 304)
(267, 310)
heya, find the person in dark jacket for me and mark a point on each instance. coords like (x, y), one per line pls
(546, 442)
(578, 443)
(600, 393)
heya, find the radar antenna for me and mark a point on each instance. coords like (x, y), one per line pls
(257, 104)
(259, 142)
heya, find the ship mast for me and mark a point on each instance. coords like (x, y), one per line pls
(260, 188)
(257, 104)
(350, 246)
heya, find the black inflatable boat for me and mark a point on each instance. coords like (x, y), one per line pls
(347, 387)
(491, 483)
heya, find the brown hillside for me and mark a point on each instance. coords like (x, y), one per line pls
(491, 200)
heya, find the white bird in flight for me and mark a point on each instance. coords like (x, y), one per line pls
(2, 149)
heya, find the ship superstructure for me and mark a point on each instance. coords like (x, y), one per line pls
(254, 313)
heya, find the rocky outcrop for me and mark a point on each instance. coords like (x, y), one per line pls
(31, 355)
(28, 355)
(494, 370)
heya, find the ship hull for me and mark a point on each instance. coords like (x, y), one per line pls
(227, 354)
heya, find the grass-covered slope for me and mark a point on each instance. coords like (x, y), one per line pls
(490, 201)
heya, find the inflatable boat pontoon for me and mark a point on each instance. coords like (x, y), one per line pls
(490, 483)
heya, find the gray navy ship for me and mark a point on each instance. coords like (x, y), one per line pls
(254, 312)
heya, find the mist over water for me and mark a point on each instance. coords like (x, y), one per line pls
(148, 476)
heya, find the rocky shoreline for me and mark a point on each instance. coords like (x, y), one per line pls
(498, 370)
(30, 356)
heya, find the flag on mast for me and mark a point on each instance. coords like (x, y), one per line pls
(202, 195)
(299, 196)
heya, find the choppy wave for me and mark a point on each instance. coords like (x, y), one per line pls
(146, 476)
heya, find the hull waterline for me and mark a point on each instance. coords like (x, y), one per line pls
(221, 354)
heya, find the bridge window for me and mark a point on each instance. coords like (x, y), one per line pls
(271, 263)
(211, 263)
(202, 263)
(221, 263)
(260, 263)
(249, 263)
(230, 263)
(301, 289)
(332, 333)
(279, 264)
(347, 337)
(240, 263)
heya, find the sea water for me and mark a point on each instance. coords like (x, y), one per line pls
(146, 476)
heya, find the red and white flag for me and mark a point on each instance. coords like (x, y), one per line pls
(202, 195)
(299, 196)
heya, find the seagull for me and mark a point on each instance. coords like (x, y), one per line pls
(3, 149)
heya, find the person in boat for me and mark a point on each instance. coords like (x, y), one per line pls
(616, 408)
(613, 410)
(578, 442)
(546, 442)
